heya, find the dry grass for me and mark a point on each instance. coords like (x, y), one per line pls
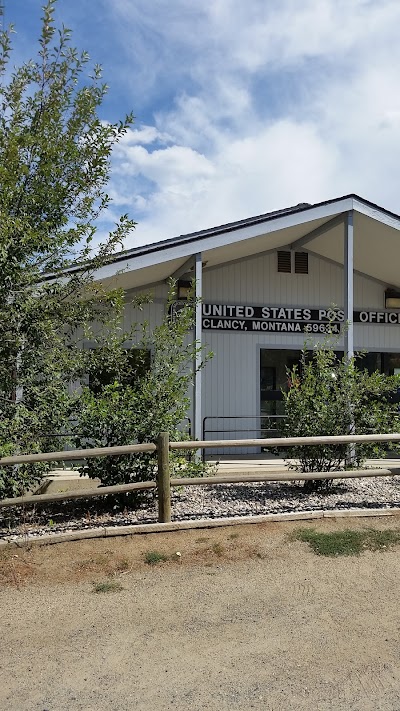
(95, 560)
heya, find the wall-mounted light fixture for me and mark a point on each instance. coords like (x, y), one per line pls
(183, 289)
(392, 299)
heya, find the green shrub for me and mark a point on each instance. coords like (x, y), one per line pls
(331, 396)
(136, 407)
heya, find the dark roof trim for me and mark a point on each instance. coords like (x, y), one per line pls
(233, 226)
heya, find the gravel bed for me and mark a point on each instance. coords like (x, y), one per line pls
(224, 500)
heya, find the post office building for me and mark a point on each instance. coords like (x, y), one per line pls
(267, 284)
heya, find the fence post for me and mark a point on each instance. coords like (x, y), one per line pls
(163, 478)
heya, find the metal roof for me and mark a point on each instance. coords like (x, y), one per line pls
(194, 237)
(317, 228)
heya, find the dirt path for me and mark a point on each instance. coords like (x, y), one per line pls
(243, 619)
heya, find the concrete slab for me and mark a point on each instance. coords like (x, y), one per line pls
(60, 480)
(245, 463)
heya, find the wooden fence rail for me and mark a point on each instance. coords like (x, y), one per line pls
(163, 480)
(198, 481)
(66, 456)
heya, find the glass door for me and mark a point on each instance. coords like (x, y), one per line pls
(274, 364)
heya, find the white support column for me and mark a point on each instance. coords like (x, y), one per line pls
(197, 409)
(348, 310)
(349, 285)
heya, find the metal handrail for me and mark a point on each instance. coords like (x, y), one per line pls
(236, 429)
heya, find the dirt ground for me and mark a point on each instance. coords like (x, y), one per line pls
(245, 618)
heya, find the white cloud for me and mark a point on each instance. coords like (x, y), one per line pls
(175, 169)
(280, 164)
(145, 135)
(243, 107)
(269, 104)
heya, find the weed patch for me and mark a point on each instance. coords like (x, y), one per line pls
(347, 542)
(107, 586)
(217, 549)
(154, 557)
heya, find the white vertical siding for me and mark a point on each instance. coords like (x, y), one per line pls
(231, 378)
(151, 313)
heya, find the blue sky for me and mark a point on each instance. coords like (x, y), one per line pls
(241, 107)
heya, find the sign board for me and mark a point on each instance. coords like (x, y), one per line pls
(276, 319)
(286, 319)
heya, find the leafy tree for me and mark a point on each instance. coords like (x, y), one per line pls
(54, 167)
(332, 396)
(144, 394)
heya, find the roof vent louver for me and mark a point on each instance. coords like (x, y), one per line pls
(301, 262)
(284, 262)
